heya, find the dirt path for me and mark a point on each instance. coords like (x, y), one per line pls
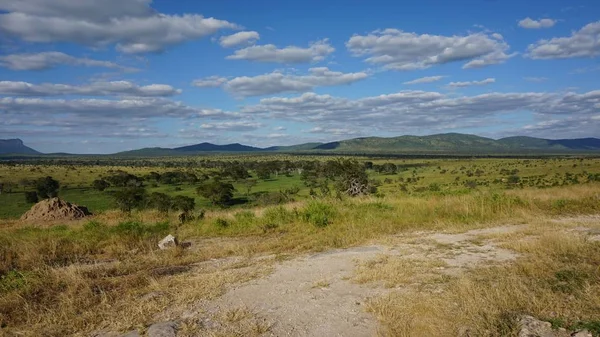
(315, 295)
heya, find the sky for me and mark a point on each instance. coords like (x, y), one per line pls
(92, 76)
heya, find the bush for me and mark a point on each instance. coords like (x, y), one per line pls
(221, 223)
(31, 197)
(279, 215)
(100, 184)
(319, 214)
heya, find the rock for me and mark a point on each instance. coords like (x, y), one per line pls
(164, 329)
(532, 327)
(168, 242)
(582, 333)
(133, 333)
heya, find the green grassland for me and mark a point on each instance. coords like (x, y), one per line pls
(412, 177)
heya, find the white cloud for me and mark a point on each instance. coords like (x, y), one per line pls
(399, 112)
(582, 43)
(132, 25)
(210, 82)
(536, 24)
(277, 82)
(47, 60)
(240, 38)
(471, 83)
(233, 126)
(427, 79)
(398, 50)
(316, 51)
(122, 88)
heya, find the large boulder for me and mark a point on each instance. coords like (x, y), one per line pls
(55, 209)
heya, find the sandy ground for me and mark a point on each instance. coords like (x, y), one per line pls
(315, 295)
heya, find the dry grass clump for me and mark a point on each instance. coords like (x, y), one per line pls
(557, 279)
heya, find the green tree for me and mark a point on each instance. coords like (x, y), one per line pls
(100, 184)
(160, 202)
(47, 187)
(183, 203)
(218, 192)
(130, 198)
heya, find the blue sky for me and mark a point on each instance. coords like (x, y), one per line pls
(102, 77)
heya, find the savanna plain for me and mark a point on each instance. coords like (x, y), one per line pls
(278, 245)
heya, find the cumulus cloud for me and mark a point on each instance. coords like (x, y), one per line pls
(399, 112)
(399, 50)
(278, 82)
(132, 25)
(315, 52)
(529, 23)
(471, 83)
(123, 88)
(47, 60)
(240, 38)
(210, 82)
(427, 79)
(582, 43)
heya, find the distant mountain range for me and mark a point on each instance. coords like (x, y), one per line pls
(448, 143)
(15, 146)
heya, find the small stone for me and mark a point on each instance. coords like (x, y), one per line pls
(532, 327)
(164, 329)
(169, 241)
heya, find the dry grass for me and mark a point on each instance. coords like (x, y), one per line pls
(557, 279)
(87, 276)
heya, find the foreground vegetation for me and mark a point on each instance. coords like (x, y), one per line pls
(107, 273)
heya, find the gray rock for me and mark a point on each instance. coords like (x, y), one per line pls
(582, 333)
(164, 329)
(169, 241)
(532, 327)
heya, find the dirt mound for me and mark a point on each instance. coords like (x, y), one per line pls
(55, 209)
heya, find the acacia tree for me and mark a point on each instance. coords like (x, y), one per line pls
(218, 192)
(130, 198)
(160, 202)
(183, 204)
(47, 187)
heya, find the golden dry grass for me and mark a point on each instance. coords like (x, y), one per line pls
(556, 278)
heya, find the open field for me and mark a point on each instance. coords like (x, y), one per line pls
(411, 177)
(427, 254)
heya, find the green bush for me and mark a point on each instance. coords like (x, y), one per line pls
(319, 214)
(221, 223)
(278, 215)
(245, 217)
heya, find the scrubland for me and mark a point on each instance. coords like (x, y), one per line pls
(106, 273)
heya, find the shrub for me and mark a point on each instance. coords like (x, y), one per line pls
(319, 214)
(100, 184)
(221, 223)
